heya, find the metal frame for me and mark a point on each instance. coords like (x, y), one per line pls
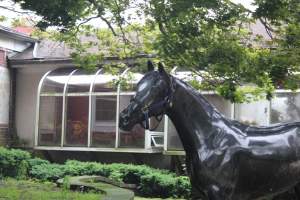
(90, 105)
(37, 112)
(63, 123)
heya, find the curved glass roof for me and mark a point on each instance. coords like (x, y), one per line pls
(79, 81)
(71, 80)
(55, 81)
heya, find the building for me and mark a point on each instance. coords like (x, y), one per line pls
(11, 43)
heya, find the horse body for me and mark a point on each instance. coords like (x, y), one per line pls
(226, 160)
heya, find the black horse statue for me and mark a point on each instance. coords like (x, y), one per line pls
(226, 160)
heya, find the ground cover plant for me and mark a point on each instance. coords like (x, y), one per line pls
(150, 182)
(30, 190)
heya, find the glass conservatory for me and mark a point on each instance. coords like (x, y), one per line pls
(80, 112)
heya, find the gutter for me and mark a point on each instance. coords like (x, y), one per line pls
(18, 63)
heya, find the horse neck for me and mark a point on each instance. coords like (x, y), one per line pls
(194, 118)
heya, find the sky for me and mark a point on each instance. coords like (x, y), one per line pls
(97, 22)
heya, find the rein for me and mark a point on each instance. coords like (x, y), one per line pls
(163, 104)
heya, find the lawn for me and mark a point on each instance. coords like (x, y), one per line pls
(12, 189)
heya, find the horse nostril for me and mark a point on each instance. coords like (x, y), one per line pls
(124, 118)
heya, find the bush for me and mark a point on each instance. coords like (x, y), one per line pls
(151, 182)
(36, 161)
(50, 172)
(13, 162)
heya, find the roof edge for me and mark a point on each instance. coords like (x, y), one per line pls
(17, 35)
(17, 63)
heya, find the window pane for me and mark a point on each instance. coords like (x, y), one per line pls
(174, 142)
(55, 81)
(104, 121)
(50, 121)
(285, 107)
(80, 81)
(157, 125)
(77, 121)
(136, 137)
(220, 103)
(254, 113)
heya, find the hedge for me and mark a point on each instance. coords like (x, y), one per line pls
(151, 182)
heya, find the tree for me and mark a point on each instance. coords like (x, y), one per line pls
(202, 35)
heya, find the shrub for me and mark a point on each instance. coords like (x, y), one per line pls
(151, 182)
(13, 162)
(50, 172)
(36, 161)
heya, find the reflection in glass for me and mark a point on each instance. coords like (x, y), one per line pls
(105, 83)
(77, 121)
(285, 107)
(50, 119)
(174, 142)
(80, 81)
(55, 81)
(224, 106)
(254, 113)
(134, 138)
(104, 121)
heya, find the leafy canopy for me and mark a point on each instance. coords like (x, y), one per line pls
(209, 37)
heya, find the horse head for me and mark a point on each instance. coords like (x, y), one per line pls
(153, 95)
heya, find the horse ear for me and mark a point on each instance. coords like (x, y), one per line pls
(162, 71)
(150, 66)
(161, 68)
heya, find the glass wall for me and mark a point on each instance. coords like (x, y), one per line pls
(222, 105)
(50, 126)
(77, 109)
(254, 113)
(285, 107)
(104, 109)
(104, 121)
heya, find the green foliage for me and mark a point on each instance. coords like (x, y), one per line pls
(207, 35)
(3, 18)
(50, 172)
(150, 181)
(13, 162)
(37, 161)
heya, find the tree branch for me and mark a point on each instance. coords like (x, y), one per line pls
(126, 41)
(85, 21)
(267, 27)
(99, 9)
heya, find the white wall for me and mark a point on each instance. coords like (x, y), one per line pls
(4, 95)
(27, 83)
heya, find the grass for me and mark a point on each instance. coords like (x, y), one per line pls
(11, 189)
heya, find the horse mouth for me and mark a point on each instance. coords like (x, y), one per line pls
(125, 124)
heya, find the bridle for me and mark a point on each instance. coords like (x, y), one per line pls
(153, 108)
